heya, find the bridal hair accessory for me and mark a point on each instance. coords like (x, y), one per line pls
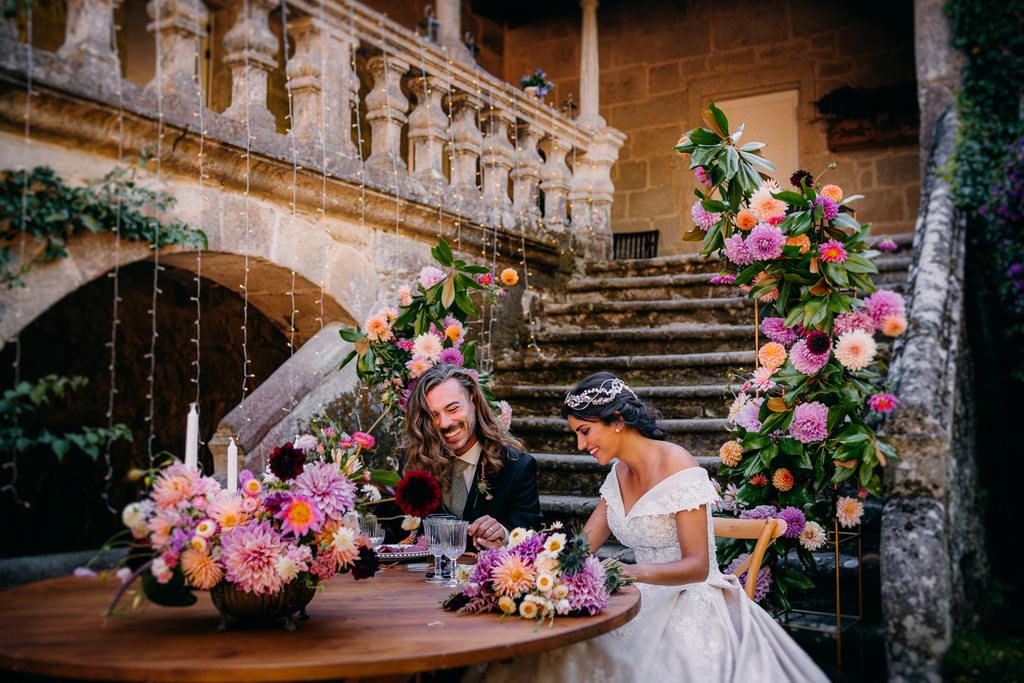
(599, 395)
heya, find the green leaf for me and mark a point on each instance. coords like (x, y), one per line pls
(790, 197)
(352, 334)
(348, 359)
(443, 253)
(464, 303)
(856, 263)
(720, 119)
(384, 477)
(448, 291)
(703, 136)
(714, 205)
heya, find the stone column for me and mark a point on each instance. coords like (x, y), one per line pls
(321, 68)
(496, 163)
(428, 131)
(556, 179)
(465, 151)
(589, 73)
(449, 30)
(386, 109)
(599, 192)
(526, 176)
(179, 27)
(251, 54)
(87, 35)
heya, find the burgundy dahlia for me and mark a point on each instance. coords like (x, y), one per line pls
(802, 176)
(418, 493)
(818, 342)
(366, 564)
(286, 461)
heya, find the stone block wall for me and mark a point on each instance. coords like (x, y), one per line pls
(662, 61)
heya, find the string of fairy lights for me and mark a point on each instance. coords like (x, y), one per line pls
(246, 225)
(292, 399)
(200, 116)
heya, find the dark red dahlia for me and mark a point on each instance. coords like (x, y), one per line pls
(286, 462)
(802, 176)
(366, 564)
(817, 342)
(418, 493)
(275, 501)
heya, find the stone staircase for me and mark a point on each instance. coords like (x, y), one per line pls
(679, 342)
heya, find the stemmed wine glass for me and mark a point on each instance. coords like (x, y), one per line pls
(454, 537)
(432, 528)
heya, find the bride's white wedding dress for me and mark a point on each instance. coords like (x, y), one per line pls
(707, 631)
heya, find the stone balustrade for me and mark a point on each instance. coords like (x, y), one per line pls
(440, 131)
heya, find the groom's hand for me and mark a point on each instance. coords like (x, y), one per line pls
(487, 532)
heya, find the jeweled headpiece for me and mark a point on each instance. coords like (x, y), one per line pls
(600, 395)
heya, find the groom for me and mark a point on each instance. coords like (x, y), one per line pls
(485, 476)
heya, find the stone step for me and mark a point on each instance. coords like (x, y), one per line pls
(572, 511)
(670, 338)
(675, 401)
(649, 312)
(700, 435)
(578, 474)
(665, 369)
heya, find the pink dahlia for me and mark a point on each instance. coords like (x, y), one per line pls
(855, 349)
(364, 440)
(333, 493)
(299, 515)
(702, 176)
(887, 245)
(430, 276)
(805, 360)
(736, 250)
(884, 303)
(776, 330)
(859, 319)
(883, 403)
(810, 422)
(704, 219)
(587, 592)
(746, 416)
(829, 208)
(765, 242)
(451, 356)
(723, 279)
(175, 484)
(832, 252)
(764, 205)
(249, 554)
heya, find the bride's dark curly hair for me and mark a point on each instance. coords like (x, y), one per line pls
(623, 404)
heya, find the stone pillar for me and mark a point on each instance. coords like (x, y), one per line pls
(526, 176)
(321, 68)
(599, 192)
(428, 131)
(590, 74)
(179, 27)
(465, 151)
(496, 163)
(87, 35)
(555, 182)
(449, 30)
(251, 53)
(386, 109)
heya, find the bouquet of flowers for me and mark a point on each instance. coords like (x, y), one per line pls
(398, 344)
(539, 80)
(538, 575)
(806, 420)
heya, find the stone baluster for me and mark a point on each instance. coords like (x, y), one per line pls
(468, 143)
(580, 195)
(496, 162)
(386, 108)
(602, 154)
(179, 27)
(251, 54)
(428, 131)
(319, 69)
(87, 35)
(526, 175)
(555, 182)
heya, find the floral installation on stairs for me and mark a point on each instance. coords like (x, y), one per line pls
(805, 446)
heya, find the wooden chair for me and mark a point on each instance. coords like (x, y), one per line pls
(764, 530)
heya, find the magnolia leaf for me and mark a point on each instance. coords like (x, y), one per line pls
(777, 404)
(448, 291)
(880, 455)
(845, 463)
(820, 288)
(362, 346)
(710, 115)
(694, 235)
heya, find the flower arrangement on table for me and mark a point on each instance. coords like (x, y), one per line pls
(538, 575)
(538, 80)
(398, 344)
(805, 422)
(292, 527)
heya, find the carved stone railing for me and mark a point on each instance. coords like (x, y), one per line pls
(474, 143)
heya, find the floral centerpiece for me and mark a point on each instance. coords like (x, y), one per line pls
(399, 343)
(804, 425)
(539, 83)
(539, 575)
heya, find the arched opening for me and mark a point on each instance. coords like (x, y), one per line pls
(71, 338)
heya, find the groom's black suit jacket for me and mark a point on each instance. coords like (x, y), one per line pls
(514, 497)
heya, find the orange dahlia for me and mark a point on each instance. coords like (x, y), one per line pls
(782, 479)
(772, 355)
(731, 453)
(802, 241)
(894, 325)
(201, 570)
(745, 219)
(509, 277)
(833, 192)
(513, 576)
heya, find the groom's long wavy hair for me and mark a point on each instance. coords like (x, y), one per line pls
(426, 449)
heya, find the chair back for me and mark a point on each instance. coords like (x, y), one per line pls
(764, 531)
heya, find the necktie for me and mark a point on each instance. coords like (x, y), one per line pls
(459, 491)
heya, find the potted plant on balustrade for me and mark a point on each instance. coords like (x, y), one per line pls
(536, 84)
(805, 444)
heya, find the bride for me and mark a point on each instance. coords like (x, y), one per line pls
(695, 623)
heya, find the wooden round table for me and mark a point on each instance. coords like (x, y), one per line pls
(389, 626)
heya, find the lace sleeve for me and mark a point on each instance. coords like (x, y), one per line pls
(685, 490)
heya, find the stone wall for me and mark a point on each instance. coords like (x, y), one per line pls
(660, 63)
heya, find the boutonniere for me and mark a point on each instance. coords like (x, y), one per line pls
(481, 486)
